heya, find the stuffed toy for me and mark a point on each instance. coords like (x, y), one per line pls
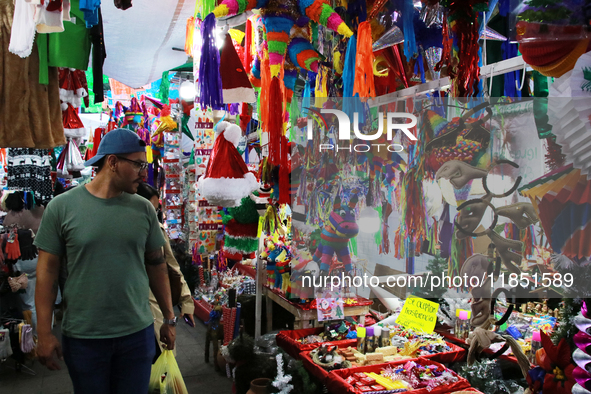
(334, 239)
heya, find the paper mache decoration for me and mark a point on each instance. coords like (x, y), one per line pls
(334, 239)
(279, 17)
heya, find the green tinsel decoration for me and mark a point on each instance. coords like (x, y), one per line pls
(245, 244)
(573, 297)
(246, 212)
(567, 329)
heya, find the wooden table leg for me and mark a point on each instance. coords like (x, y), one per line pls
(298, 324)
(362, 320)
(269, 309)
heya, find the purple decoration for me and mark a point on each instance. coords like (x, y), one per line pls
(233, 108)
(150, 179)
(210, 80)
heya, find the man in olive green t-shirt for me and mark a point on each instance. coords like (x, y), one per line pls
(112, 243)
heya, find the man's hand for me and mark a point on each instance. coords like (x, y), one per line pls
(48, 347)
(168, 335)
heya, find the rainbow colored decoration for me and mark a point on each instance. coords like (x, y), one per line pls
(336, 233)
(279, 16)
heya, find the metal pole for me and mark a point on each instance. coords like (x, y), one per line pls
(259, 292)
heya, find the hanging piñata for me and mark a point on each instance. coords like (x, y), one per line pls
(279, 17)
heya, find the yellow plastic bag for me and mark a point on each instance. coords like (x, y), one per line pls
(166, 377)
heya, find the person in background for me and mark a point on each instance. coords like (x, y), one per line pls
(112, 243)
(25, 219)
(186, 299)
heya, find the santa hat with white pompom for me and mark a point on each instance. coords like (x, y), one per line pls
(227, 179)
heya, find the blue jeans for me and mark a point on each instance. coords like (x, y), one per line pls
(116, 365)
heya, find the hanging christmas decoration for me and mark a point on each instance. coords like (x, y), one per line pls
(432, 15)
(433, 56)
(210, 81)
(364, 81)
(462, 57)
(227, 179)
(391, 37)
(492, 35)
(236, 87)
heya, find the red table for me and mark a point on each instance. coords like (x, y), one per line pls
(335, 382)
(463, 343)
(304, 316)
(246, 270)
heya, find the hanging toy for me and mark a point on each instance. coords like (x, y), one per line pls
(73, 126)
(227, 179)
(134, 114)
(210, 81)
(279, 17)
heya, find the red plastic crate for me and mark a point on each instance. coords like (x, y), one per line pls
(287, 340)
(335, 382)
(456, 354)
(202, 310)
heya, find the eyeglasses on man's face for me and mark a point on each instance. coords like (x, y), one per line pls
(138, 165)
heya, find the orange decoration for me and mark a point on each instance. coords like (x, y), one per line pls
(364, 82)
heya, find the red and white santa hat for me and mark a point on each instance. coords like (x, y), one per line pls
(236, 86)
(227, 179)
(73, 126)
(73, 87)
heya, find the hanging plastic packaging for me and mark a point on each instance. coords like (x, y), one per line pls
(166, 377)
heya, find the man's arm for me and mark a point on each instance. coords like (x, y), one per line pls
(160, 286)
(48, 268)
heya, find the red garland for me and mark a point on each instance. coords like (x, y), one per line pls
(247, 61)
(462, 64)
(447, 48)
(284, 196)
(468, 71)
(275, 122)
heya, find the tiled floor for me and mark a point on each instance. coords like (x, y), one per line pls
(199, 377)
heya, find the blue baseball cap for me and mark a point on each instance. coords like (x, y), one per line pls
(117, 142)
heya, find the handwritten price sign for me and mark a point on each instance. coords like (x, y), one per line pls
(418, 314)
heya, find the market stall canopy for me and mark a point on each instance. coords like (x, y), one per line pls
(140, 40)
